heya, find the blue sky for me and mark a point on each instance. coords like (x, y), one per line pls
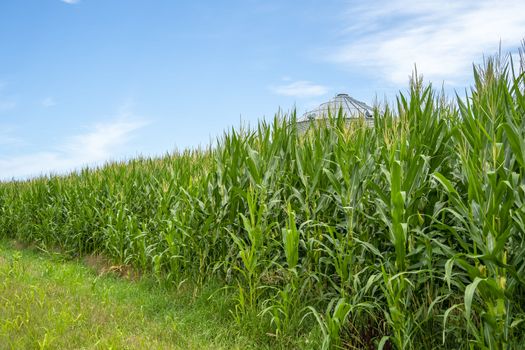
(86, 81)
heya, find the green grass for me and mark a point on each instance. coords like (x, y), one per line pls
(407, 235)
(49, 303)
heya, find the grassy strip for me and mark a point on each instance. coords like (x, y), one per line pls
(49, 303)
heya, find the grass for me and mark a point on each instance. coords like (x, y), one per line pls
(49, 303)
(407, 235)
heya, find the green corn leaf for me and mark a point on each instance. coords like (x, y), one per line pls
(470, 290)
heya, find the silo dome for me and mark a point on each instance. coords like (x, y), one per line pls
(351, 108)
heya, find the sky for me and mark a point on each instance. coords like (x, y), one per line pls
(83, 82)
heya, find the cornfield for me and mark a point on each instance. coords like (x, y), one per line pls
(407, 235)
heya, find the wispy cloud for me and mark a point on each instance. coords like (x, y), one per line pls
(71, 2)
(100, 143)
(48, 102)
(441, 38)
(300, 89)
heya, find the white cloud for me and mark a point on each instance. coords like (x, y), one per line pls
(71, 2)
(100, 143)
(48, 102)
(441, 38)
(300, 89)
